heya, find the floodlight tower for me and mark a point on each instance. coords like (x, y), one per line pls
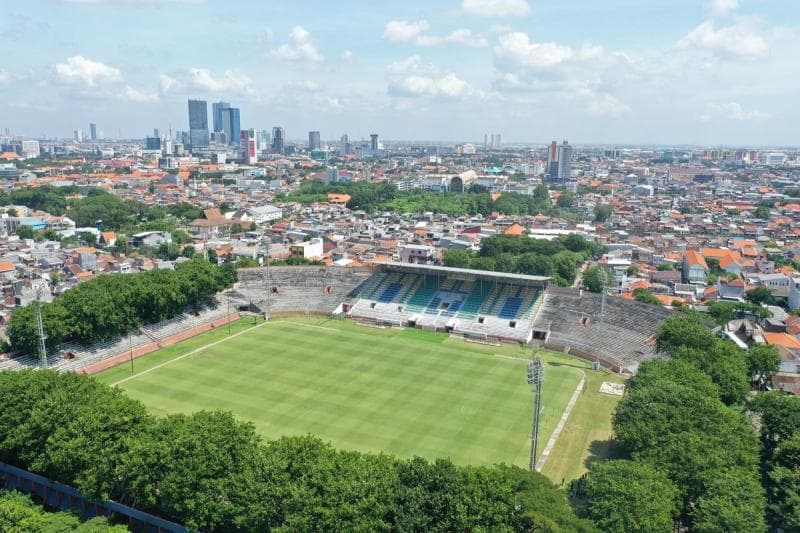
(40, 328)
(535, 379)
(267, 243)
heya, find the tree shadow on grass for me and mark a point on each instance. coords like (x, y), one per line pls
(599, 451)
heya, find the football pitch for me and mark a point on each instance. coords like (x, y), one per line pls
(404, 392)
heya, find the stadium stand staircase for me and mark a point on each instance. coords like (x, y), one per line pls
(423, 294)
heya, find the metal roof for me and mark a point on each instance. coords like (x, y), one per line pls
(422, 269)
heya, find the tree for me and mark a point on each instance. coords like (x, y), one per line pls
(645, 296)
(760, 295)
(566, 200)
(762, 363)
(89, 238)
(628, 496)
(236, 228)
(679, 331)
(733, 501)
(595, 278)
(725, 363)
(25, 232)
(457, 258)
(762, 212)
(665, 267)
(602, 212)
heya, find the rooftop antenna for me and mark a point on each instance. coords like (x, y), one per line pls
(37, 308)
(535, 379)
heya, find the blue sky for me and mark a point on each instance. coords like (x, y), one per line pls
(618, 71)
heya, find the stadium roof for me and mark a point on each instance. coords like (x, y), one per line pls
(465, 271)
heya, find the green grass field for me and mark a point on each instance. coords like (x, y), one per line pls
(404, 392)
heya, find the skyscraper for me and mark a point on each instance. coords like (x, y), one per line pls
(564, 162)
(345, 147)
(216, 112)
(231, 125)
(198, 123)
(552, 161)
(78, 135)
(93, 131)
(314, 142)
(156, 133)
(373, 142)
(278, 139)
(248, 146)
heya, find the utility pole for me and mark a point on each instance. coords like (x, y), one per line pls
(40, 328)
(535, 378)
(269, 287)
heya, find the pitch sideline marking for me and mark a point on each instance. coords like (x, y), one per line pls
(196, 350)
(561, 423)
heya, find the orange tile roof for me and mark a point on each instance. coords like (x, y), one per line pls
(782, 339)
(7, 266)
(514, 229)
(694, 258)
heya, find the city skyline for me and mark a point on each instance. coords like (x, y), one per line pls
(717, 72)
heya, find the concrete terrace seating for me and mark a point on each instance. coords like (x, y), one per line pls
(620, 336)
(312, 289)
(87, 355)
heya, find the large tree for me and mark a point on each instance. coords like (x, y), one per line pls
(629, 497)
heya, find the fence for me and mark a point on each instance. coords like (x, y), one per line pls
(61, 496)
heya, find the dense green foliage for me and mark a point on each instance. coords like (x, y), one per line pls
(683, 417)
(558, 258)
(645, 296)
(87, 206)
(631, 496)
(211, 472)
(724, 312)
(114, 304)
(385, 196)
(19, 514)
(595, 278)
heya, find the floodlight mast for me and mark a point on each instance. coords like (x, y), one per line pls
(40, 328)
(535, 379)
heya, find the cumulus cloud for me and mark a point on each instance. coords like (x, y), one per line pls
(738, 40)
(5, 76)
(167, 84)
(723, 7)
(411, 77)
(300, 48)
(347, 56)
(91, 73)
(232, 81)
(496, 8)
(605, 105)
(403, 31)
(517, 48)
(135, 95)
(733, 111)
(132, 3)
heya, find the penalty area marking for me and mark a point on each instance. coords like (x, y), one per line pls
(196, 350)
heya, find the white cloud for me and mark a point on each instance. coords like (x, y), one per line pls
(347, 56)
(496, 8)
(304, 85)
(403, 31)
(448, 86)
(738, 40)
(231, 81)
(135, 95)
(167, 84)
(410, 77)
(517, 48)
(734, 111)
(606, 105)
(723, 7)
(334, 104)
(5, 76)
(132, 3)
(79, 68)
(300, 48)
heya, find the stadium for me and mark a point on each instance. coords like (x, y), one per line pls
(401, 358)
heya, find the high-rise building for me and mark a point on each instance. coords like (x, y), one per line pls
(373, 142)
(314, 142)
(93, 131)
(345, 144)
(198, 123)
(248, 146)
(264, 139)
(231, 125)
(552, 161)
(30, 149)
(156, 133)
(491, 140)
(564, 162)
(152, 143)
(216, 112)
(278, 140)
(78, 136)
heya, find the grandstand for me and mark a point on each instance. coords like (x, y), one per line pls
(619, 336)
(492, 306)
